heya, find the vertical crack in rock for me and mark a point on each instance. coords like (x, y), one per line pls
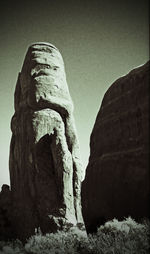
(45, 167)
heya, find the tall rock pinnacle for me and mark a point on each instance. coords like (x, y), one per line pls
(45, 168)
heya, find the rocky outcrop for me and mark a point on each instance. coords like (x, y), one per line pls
(5, 213)
(117, 176)
(45, 167)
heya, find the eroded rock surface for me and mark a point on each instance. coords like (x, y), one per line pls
(117, 182)
(45, 167)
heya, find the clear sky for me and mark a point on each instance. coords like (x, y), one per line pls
(99, 41)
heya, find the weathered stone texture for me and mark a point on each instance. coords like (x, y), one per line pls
(45, 167)
(117, 176)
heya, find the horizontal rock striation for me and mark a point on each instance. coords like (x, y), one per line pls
(117, 176)
(45, 167)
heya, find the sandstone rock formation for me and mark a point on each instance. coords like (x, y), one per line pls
(45, 167)
(5, 213)
(117, 182)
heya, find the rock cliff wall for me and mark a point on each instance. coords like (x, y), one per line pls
(117, 182)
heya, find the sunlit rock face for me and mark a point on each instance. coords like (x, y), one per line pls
(45, 167)
(117, 179)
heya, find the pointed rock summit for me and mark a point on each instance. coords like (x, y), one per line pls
(45, 166)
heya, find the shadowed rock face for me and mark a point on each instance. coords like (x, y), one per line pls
(45, 167)
(5, 213)
(117, 176)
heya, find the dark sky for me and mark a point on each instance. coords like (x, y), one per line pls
(99, 41)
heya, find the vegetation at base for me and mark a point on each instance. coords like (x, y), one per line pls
(115, 237)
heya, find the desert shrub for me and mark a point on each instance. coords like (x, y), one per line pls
(115, 237)
(122, 237)
(60, 243)
(12, 247)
